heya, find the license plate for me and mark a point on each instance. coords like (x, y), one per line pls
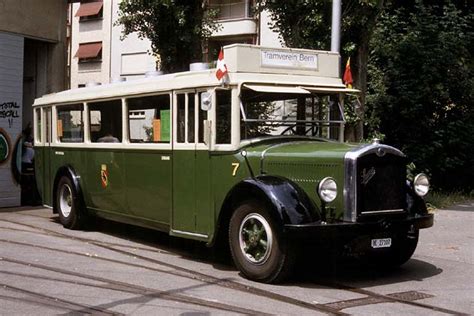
(381, 242)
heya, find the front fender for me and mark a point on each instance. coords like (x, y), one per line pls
(290, 203)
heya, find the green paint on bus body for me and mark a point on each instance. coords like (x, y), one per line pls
(182, 191)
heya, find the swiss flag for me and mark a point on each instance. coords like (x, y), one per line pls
(221, 66)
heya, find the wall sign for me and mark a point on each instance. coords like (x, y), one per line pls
(275, 58)
(4, 146)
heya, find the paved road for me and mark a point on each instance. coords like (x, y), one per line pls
(120, 269)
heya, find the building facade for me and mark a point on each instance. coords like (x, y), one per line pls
(32, 63)
(99, 54)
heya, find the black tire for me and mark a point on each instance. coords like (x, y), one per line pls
(68, 204)
(406, 248)
(257, 245)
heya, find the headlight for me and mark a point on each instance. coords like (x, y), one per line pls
(327, 189)
(421, 184)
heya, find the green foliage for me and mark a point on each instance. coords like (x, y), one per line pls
(307, 24)
(421, 88)
(176, 28)
(439, 199)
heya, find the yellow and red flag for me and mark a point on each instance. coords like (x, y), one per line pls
(347, 78)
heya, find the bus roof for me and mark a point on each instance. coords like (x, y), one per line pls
(316, 70)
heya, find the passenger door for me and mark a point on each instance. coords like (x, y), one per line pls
(47, 194)
(191, 216)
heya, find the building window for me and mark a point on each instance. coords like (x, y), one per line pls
(89, 52)
(232, 9)
(90, 10)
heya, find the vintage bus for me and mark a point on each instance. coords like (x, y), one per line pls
(255, 160)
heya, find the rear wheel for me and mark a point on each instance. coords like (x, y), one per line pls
(257, 245)
(67, 202)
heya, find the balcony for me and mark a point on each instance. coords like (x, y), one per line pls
(232, 9)
(235, 18)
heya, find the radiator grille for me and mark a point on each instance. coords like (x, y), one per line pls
(381, 184)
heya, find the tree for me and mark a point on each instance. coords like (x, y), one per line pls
(177, 29)
(307, 24)
(421, 87)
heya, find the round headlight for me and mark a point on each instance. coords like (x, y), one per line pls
(421, 184)
(327, 189)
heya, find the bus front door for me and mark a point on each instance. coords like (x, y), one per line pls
(191, 214)
(48, 178)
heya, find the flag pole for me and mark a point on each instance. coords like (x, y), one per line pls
(336, 26)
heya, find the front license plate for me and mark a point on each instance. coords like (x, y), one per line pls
(381, 243)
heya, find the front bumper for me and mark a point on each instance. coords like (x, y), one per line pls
(319, 231)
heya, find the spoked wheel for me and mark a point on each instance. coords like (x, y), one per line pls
(67, 203)
(255, 238)
(257, 245)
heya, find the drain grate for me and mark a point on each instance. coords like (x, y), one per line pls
(355, 302)
(410, 295)
(405, 296)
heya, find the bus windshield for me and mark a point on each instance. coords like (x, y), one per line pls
(272, 114)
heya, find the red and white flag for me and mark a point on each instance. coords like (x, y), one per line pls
(221, 66)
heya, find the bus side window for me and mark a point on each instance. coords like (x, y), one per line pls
(181, 114)
(149, 119)
(70, 123)
(223, 116)
(38, 127)
(106, 121)
(191, 111)
(202, 116)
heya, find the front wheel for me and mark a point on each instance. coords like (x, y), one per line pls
(67, 204)
(257, 245)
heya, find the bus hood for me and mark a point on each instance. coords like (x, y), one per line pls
(281, 158)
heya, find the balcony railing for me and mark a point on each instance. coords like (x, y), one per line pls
(232, 9)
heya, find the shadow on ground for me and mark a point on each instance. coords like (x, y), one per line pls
(316, 269)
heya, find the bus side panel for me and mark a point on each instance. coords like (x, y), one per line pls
(57, 158)
(102, 178)
(184, 191)
(227, 171)
(204, 206)
(148, 184)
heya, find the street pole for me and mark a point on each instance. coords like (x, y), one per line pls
(336, 26)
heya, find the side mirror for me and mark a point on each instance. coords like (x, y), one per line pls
(206, 101)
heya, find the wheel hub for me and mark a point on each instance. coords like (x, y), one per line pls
(65, 200)
(255, 238)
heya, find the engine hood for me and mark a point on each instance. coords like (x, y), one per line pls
(298, 152)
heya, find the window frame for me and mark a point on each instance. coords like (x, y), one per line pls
(126, 122)
(58, 108)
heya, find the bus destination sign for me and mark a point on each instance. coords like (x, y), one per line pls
(298, 60)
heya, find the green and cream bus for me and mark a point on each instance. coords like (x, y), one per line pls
(256, 161)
